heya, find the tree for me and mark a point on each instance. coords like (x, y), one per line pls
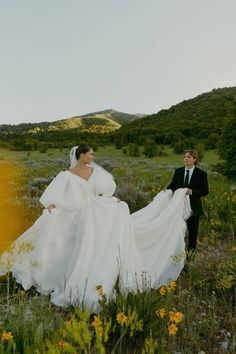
(179, 147)
(212, 141)
(227, 149)
(200, 149)
(133, 150)
(150, 148)
(119, 142)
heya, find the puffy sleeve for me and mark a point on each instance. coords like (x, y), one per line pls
(61, 192)
(105, 183)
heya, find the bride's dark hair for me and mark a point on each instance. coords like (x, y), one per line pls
(82, 149)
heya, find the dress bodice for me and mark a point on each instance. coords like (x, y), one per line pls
(68, 190)
(87, 186)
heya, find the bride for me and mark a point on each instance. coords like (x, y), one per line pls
(86, 237)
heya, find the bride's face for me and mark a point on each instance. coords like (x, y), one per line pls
(88, 157)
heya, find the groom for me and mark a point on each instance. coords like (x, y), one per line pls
(195, 180)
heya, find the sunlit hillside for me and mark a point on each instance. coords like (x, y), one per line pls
(98, 122)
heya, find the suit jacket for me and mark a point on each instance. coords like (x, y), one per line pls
(198, 183)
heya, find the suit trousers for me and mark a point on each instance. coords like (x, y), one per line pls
(192, 225)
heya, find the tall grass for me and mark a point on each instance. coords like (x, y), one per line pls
(131, 323)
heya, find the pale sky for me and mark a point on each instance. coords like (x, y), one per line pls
(61, 58)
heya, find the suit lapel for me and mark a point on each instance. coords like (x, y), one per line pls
(181, 176)
(194, 174)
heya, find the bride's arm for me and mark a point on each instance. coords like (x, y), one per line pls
(53, 194)
(104, 183)
(63, 193)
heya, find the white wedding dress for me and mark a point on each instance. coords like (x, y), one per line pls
(90, 240)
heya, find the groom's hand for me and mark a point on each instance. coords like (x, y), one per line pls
(189, 192)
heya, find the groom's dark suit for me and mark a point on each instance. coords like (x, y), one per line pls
(199, 186)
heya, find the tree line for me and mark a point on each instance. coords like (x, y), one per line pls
(204, 122)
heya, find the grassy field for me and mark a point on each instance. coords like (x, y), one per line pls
(201, 308)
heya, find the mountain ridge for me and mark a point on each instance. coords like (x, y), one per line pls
(104, 120)
(198, 120)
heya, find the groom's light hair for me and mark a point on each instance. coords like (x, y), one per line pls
(194, 154)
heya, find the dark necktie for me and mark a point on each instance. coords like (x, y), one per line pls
(186, 180)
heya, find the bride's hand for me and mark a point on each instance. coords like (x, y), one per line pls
(50, 207)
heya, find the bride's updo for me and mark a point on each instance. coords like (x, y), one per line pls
(82, 149)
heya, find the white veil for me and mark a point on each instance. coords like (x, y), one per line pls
(73, 159)
(73, 162)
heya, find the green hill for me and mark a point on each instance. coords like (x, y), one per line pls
(197, 120)
(98, 122)
(200, 120)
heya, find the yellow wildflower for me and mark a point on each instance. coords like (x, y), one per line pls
(162, 290)
(97, 324)
(96, 321)
(171, 286)
(121, 318)
(176, 316)
(62, 343)
(161, 312)
(172, 328)
(99, 290)
(7, 335)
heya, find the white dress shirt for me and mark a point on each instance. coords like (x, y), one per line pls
(190, 173)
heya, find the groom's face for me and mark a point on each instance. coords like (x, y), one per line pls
(189, 160)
